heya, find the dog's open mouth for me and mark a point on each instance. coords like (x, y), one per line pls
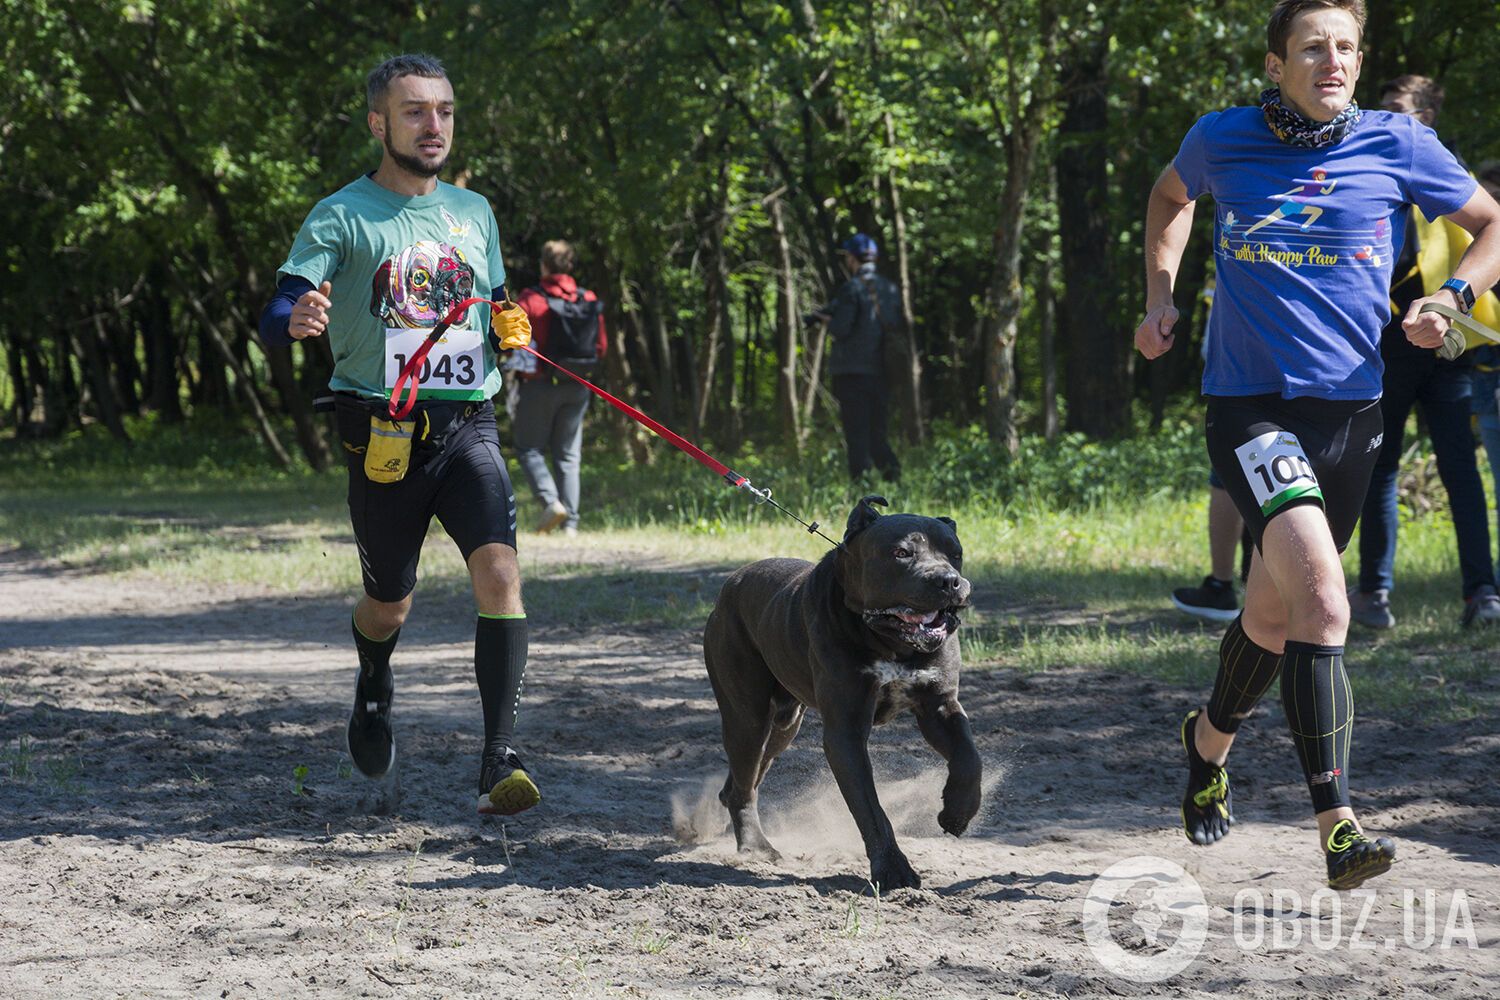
(925, 630)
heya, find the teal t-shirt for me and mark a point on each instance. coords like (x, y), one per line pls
(398, 264)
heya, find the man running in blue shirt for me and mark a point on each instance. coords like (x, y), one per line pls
(1293, 380)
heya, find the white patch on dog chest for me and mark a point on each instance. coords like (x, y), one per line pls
(888, 673)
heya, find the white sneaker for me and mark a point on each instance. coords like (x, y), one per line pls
(553, 515)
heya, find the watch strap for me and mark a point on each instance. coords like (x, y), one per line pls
(1464, 293)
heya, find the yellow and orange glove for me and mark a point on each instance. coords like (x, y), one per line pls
(510, 325)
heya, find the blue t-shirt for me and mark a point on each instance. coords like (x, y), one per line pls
(1304, 240)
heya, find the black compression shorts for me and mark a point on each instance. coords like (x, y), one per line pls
(456, 474)
(1273, 454)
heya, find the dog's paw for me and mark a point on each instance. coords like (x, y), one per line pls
(954, 822)
(760, 852)
(961, 797)
(895, 873)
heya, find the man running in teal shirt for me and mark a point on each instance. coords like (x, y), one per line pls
(375, 266)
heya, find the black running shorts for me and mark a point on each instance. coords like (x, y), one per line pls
(1273, 454)
(457, 474)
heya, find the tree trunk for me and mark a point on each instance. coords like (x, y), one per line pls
(304, 420)
(96, 370)
(999, 324)
(1047, 314)
(242, 379)
(908, 376)
(618, 371)
(818, 341)
(15, 363)
(788, 319)
(162, 390)
(1098, 354)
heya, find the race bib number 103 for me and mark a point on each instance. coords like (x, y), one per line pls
(1277, 469)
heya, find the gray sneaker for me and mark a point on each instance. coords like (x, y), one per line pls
(1482, 607)
(1372, 610)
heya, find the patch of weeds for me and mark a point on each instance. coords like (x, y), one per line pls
(346, 769)
(299, 775)
(65, 774)
(199, 778)
(404, 903)
(578, 961)
(20, 761)
(652, 941)
(854, 916)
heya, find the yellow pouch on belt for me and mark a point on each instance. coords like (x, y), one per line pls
(388, 455)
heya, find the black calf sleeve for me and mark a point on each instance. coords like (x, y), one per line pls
(374, 655)
(1320, 711)
(500, 667)
(1246, 672)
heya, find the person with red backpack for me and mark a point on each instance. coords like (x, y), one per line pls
(567, 324)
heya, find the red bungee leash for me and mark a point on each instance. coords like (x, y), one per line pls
(407, 381)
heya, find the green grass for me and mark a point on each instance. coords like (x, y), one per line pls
(1072, 560)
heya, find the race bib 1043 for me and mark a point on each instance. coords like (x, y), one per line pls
(453, 369)
(1277, 469)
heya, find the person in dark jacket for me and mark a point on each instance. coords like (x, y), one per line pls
(1442, 390)
(567, 324)
(864, 310)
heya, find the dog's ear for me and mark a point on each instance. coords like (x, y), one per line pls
(950, 523)
(864, 515)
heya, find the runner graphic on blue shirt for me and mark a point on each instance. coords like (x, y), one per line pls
(1297, 204)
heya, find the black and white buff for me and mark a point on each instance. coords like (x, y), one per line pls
(1296, 129)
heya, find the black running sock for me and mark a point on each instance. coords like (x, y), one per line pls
(499, 667)
(375, 662)
(1320, 711)
(1246, 672)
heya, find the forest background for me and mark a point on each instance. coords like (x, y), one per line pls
(706, 157)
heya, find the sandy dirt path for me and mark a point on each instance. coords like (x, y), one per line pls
(152, 843)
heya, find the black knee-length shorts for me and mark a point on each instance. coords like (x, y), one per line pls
(457, 474)
(1273, 454)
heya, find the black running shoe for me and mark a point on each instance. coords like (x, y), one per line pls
(504, 786)
(1212, 599)
(1353, 857)
(1207, 810)
(372, 747)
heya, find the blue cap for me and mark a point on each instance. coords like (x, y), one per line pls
(861, 246)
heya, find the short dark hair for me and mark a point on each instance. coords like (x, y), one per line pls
(559, 257)
(1426, 93)
(407, 64)
(1286, 11)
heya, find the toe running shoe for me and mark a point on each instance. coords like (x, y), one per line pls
(372, 746)
(504, 786)
(1207, 810)
(1353, 857)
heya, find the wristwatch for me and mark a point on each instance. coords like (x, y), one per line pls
(1461, 289)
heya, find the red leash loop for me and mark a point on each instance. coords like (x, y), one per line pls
(407, 379)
